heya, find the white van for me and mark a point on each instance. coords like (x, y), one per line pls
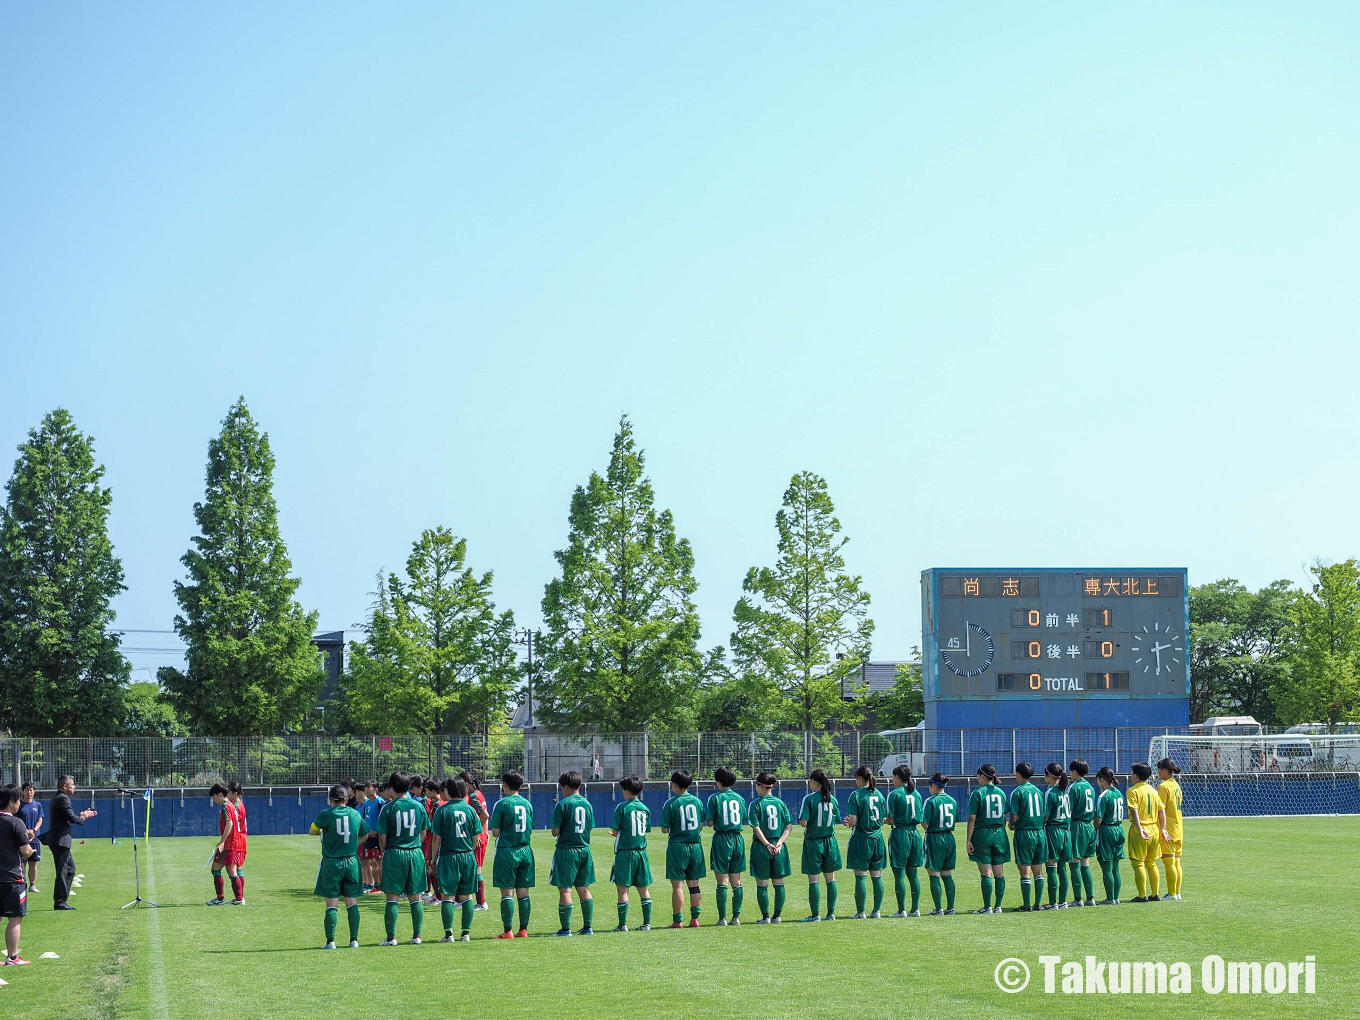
(908, 749)
(1227, 726)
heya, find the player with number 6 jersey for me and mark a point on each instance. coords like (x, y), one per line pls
(1082, 799)
(512, 869)
(821, 853)
(725, 813)
(632, 822)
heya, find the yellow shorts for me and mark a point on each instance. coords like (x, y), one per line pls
(1140, 851)
(1171, 849)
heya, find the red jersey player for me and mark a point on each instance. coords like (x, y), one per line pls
(237, 844)
(478, 803)
(226, 823)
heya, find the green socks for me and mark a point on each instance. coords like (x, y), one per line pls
(738, 894)
(914, 880)
(861, 892)
(936, 890)
(878, 894)
(1000, 890)
(1106, 880)
(446, 912)
(1025, 886)
(353, 914)
(949, 890)
(1088, 881)
(588, 912)
(1118, 877)
(694, 912)
(763, 898)
(564, 915)
(722, 902)
(1052, 871)
(647, 912)
(1038, 889)
(831, 897)
(524, 906)
(469, 905)
(815, 898)
(986, 891)
(332, 919)
(390, 918)
(623, 914)
(417, 917)
(677, 917)
(508, 912)
(900, 888)
(780, 894)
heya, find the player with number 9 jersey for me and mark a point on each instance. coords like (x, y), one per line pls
(573, 819)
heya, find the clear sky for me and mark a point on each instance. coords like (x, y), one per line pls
(1059, 284)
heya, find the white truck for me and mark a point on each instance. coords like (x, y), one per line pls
(908, 749)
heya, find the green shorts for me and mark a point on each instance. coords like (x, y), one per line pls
(631, 867)
(1083, 840)
(866, 852)
(767, 865)
(456, 874)
(685, 862)
(821, 856)
(338, 877)
(941, 848)
(727, 856)
(990, 845)
(513, 868)
(1059, 841)
(906, 849)
(1030, 847)
(1110, 843)
(572, 868)
(403, 872)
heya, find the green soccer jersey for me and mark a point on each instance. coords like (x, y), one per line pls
(403, 821)
(1027, 804)
(632, 822)
(1111, 807)
(869, 808)
(341, 829)
(904, 808)
(457, 825)
(770, 815)
(1057, 807)
(941, 812)
(513, 818)
(821, 815)
(683, 818)
(726, 810)
(573, 818)
(1082, 796)
(988, 805)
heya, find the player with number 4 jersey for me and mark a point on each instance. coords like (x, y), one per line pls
(340, 828)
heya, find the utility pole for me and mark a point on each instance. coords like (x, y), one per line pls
(525, 637)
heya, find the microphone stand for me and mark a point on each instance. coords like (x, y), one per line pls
(136, 869)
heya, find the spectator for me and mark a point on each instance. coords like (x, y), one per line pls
(31, 814)
(15, 841)
(596, 769)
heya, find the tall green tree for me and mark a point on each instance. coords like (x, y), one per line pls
(147, 713)
(1323, 682)
(436, 656)
(1238, 648)
(61, 671)
(251, 664)
(903, 706)
(620, 643)
(802, 625)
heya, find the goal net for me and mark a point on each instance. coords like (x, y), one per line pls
(1283, 752)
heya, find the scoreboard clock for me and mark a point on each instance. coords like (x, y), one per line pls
(1055, 647)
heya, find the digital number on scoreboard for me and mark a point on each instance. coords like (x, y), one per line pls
(1055, 633)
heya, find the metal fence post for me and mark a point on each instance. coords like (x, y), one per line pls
(1064, 757)
(960, 752)
(1116, 750)
(1014, 756)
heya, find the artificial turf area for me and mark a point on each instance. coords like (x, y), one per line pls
(1255, 889)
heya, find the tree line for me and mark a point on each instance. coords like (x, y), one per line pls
(620, 647)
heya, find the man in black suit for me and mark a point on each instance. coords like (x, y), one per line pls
(61, 816)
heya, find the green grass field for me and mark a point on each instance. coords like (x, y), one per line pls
(1272, 889)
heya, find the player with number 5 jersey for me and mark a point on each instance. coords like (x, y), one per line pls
(512, 869)
(866, 854)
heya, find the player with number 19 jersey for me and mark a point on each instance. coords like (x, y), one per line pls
(683, 818)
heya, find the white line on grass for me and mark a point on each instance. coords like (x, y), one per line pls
(160, 1007)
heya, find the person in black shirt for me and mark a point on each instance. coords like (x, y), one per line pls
(14, 847)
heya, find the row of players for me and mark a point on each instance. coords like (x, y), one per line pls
(1055, 833)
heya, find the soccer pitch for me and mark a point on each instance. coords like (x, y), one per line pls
(1255, 890)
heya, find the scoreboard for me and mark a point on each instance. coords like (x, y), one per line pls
(1055, 647)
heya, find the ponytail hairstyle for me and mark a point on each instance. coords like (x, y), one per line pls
(1170, 766)
(1026, 770)
(1142, 770)
(903, 772)
(823, 784)
(767, 778)
(1106, 773)
(988, 773)
(1080, 767)
(1057, 772)
(867, 774)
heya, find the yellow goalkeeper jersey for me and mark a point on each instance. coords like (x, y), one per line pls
(1142, 800)
(1169, 793)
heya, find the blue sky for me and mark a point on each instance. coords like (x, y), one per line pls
(1059, 286)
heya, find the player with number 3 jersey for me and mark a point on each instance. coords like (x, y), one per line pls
(512, 869)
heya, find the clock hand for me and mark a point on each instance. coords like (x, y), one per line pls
(967, 640)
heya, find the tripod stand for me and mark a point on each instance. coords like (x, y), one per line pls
(136, 869)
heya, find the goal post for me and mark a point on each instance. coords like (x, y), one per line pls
(1281, 752)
